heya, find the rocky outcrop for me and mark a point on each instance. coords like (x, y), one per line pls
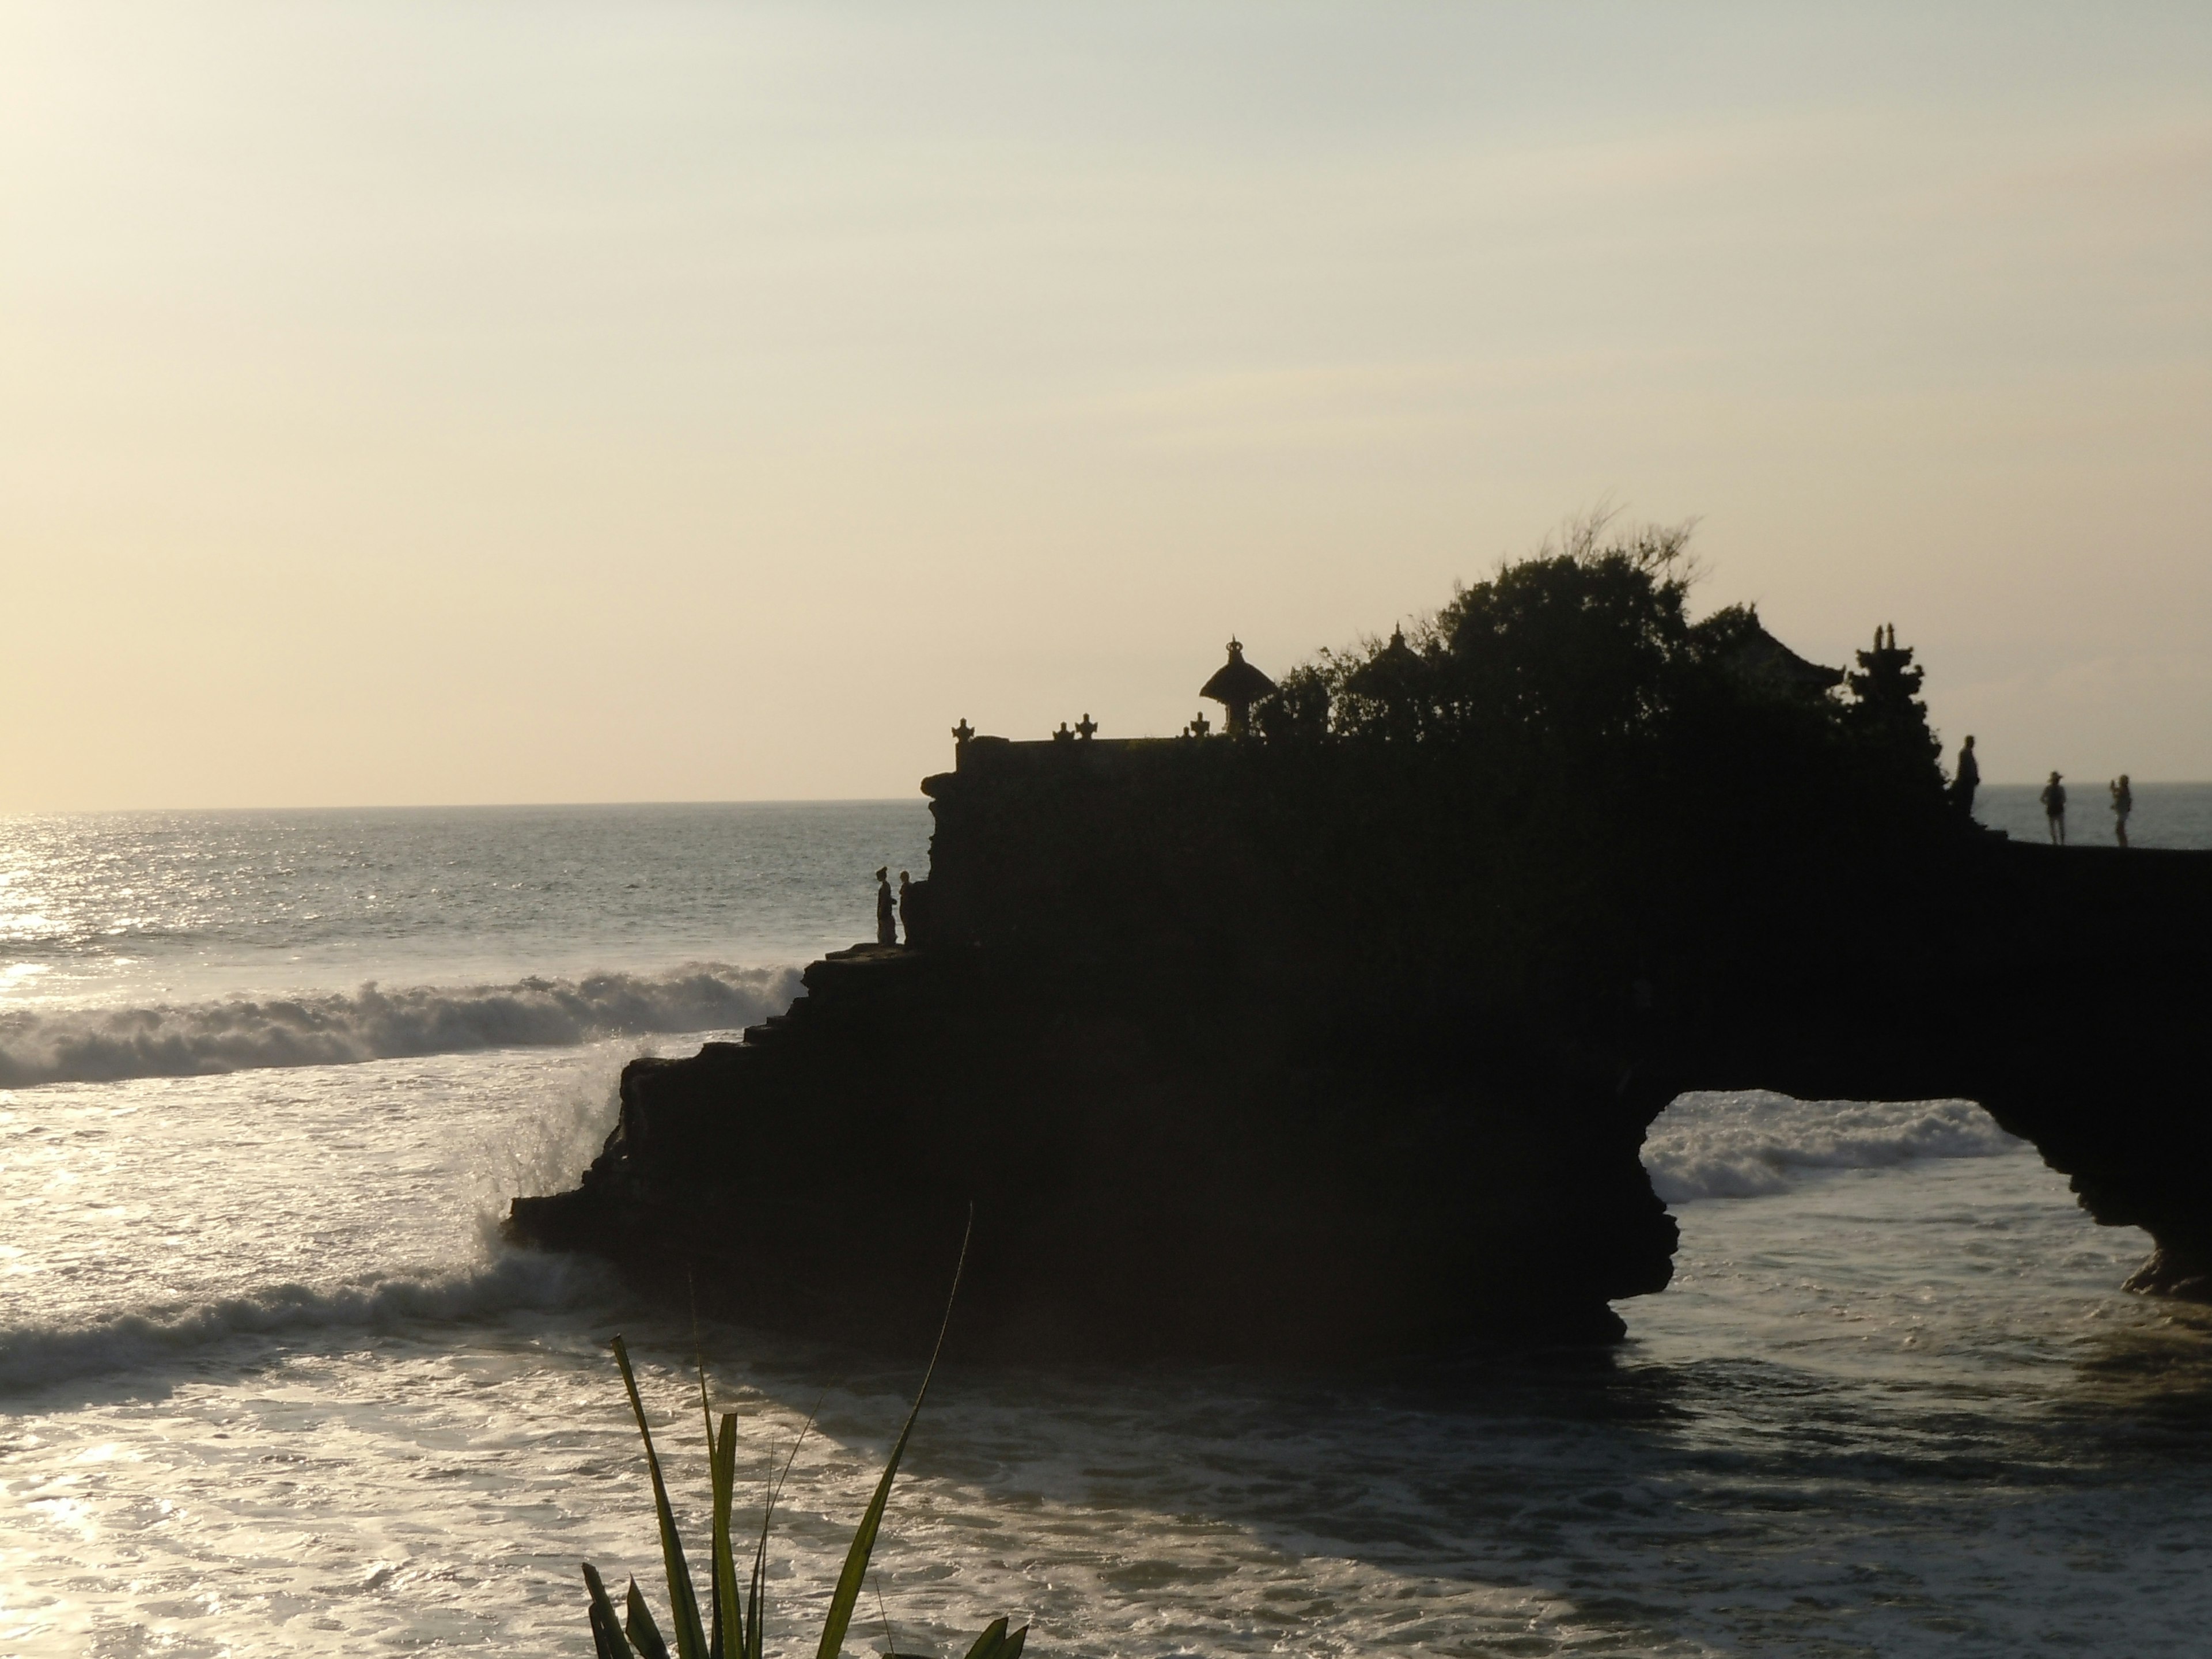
(1236, 1051)
(1339, 1035)
(1127, 1042)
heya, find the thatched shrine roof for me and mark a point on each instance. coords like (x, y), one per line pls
(1237, 682)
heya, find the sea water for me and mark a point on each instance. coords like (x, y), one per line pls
(269, 1384)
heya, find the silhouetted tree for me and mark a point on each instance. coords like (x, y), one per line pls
(1577, 644)
(1561, 752)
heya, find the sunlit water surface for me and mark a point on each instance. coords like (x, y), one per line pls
(271, 1386)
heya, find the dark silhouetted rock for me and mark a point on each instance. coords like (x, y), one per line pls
(1344, 1040)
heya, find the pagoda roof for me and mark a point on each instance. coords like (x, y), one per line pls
(1236, 681)
(1763, 659)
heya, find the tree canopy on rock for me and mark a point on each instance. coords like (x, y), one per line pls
(1583, 658)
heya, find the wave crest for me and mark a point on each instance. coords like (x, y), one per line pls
(32, 1355)
(102, 1045)
(1743, 1144)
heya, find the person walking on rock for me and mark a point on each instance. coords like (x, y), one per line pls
(2054, 810)
(886, 909)
(1968, 780)
(2123, 802)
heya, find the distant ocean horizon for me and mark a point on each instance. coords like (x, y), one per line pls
(270, 1381)
(2167, 815)
(2080, 794)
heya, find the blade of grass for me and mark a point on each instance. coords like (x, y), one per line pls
(607, 1638)
(755, 1614)
(683, 1600)
(1011, 1647)
(988, 1644)
(863, 1540)
(729, 1631)
(890, 1637)
(643, 1633)
(717, 1600)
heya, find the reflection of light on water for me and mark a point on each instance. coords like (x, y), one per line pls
(1894, 1381)
(71, 1515)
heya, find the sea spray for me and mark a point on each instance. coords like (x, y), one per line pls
(546, 1147)
(1744, 1143)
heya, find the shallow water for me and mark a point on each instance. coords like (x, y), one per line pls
(268, 1386)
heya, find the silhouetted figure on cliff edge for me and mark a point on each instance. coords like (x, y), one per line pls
(1968, 778)
(886, 909)
(906, 906)
(2054, 810)
(2123, 802)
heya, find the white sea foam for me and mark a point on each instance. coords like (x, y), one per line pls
(1740, 1145)
(32, 1355)
(102, 1045)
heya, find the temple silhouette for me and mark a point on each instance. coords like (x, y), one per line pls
(1337, 1031)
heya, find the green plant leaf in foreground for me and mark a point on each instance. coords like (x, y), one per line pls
(683, 1600)
(995, 1644)
(729, 1631)
(644, 1634)
(608, 1641)
(739, 1626)
(864, 1540)
(755, 1603)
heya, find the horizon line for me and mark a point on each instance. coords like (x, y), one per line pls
(778, 800)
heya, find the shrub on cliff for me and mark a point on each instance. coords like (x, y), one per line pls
(1582, 642)
(1584, 655)
(1575, 769)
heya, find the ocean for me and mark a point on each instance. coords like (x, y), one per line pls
(271, 1384)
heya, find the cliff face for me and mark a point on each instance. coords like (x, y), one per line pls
(1245, 1050)
(1133, 1037)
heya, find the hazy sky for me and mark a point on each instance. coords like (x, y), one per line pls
(500, 402)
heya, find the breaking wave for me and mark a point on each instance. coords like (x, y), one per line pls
(32, 1355)
(101, 1045)
(1743, 1143)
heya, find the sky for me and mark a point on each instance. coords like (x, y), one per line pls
(481, 402)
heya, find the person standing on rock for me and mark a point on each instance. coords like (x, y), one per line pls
(2123, 802)
(906, 905)
(2054, 810)
(1968, 780)
(886, 909)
